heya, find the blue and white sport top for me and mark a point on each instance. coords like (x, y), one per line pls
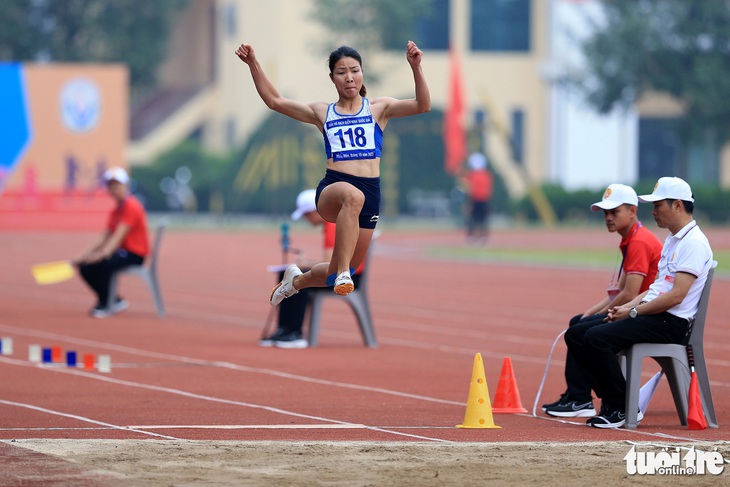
(352, 137)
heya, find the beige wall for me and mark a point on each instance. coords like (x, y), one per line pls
(190, 61)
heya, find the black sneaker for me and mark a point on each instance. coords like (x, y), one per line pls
(608, 418)
(572, 409)
(285, 339)
(611, 418)
(269, 342)
(563, 398)
(100, 312)
(119, 306)
(293, 339)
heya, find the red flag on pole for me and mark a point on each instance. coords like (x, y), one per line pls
(454, 133)
(695, 414)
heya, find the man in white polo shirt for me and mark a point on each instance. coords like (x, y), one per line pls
(663, 314)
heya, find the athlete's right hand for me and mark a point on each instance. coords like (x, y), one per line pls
(245, 53)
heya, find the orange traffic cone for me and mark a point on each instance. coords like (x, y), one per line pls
(478, 408)
(507, 398)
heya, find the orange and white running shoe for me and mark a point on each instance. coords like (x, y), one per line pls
(344, 284)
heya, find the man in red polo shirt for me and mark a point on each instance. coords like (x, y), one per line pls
(123, 243)
(640, 251)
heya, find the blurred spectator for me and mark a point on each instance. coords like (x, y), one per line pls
(478, 183)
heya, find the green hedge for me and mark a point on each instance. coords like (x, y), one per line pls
(711, 204)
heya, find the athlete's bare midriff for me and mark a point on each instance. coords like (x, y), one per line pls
(364, 168)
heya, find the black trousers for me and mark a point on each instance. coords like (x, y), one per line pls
(98, 275)
(292, 310)
(594, 348)
(478, 222)
(579, 386)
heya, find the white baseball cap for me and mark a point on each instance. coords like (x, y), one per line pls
(477, 161)
(615, 196)
(116, 174)
(305, 203)
(669, 188)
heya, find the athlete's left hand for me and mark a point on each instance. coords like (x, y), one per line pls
(413, 54)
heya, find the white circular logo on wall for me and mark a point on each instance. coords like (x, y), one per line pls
(80, 105)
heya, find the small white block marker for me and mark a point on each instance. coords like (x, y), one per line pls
(34, 353)
(104, 364)
(7, 345)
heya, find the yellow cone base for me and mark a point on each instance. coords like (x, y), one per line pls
(478, 407)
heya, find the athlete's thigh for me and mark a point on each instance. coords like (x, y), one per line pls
(332, 197)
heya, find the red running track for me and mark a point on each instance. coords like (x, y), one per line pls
(199, 373)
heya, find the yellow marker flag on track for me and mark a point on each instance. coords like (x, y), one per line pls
(52, 272)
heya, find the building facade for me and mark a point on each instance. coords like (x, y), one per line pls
(510, 52)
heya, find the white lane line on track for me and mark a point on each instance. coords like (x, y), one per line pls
(332, 423)
(56, 428)
(202, 397)
(84, 419)
(244, 368)
(190, 314)
(232, 427)
(633, 431)
(395, 342)
(205, 427)
(226, 365)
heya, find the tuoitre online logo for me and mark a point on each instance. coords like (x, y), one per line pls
(674, 462)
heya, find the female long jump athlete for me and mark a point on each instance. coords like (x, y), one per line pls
(349, 193)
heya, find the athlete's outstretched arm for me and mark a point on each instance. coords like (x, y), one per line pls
(303, 112)
(422, 102)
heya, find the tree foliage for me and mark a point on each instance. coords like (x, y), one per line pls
(371, 24)
(677, 47)
(207, 175)
(133, 32)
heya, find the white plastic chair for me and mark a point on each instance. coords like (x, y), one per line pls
(674, 362)
(147, 272)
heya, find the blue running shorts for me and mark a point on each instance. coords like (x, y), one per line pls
(369, 186)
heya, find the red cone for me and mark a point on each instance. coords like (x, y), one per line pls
(507, 398)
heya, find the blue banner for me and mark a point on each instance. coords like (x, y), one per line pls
(15, 131)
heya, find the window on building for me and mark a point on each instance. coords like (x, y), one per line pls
(430, 29)
(500, 25)
(664, 152)
(229, 20)
(434, 28)
(660, 148)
